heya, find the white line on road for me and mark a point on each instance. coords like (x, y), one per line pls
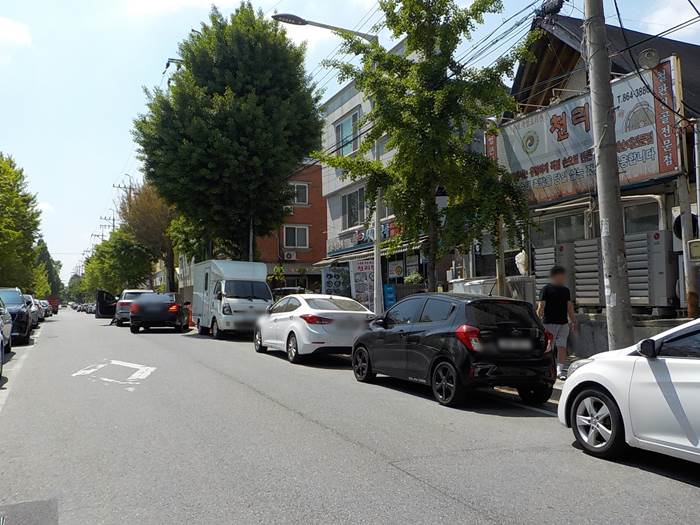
(141, 373)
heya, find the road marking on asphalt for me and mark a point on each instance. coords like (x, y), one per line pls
(141, 372)
(13, 367)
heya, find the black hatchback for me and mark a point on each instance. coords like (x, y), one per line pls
(152, 310)
(455, 342)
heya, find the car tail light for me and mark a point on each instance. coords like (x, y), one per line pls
(549, 341)
(134, 308)
(470, 336)
(120, 304)
(174, 308)
(315, 319)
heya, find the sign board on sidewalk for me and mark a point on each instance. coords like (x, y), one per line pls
(362, 282)
(551, 150)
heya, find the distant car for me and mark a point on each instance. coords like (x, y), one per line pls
(20, 312)
(123, 310)
(278, 293)
(5, 332)
(33, 309)
(645, 396)
(457, 342)
(48, 309)
(154, 310)
(311, 324)
(41, 312)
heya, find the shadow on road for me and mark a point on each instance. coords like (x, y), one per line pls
(325, 362)
(660, 464)
(3, 380)
(161, 331)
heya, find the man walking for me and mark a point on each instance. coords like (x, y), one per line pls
(557, 313)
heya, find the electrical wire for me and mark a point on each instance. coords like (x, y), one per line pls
(693, 6)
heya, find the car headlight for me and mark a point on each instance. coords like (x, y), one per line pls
(227, 309)
(578, 364)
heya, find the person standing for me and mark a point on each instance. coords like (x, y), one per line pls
(557, 313)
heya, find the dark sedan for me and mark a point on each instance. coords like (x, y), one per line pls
(455, 342)
(152, 310)
(20, 311)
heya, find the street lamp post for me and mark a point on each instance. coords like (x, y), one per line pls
(373, 39)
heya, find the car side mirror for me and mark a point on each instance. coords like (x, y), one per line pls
(269, 309)
(380, 322)
(219, 296)
(648, 348)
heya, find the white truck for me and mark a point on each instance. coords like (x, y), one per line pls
(229, 296)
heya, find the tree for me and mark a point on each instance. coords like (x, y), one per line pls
(239, 116)
(430, 106)
(147, 217)
(51, 267)
(19, 226)
(73, 291)
(117, 263)
(40, 281)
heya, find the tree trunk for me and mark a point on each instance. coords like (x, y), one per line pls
(170, 267)
(432, 249)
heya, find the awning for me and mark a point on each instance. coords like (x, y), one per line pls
(369, 253)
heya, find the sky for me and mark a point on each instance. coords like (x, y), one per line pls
(72, 74)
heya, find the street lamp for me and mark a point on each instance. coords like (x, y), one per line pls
(287, 18)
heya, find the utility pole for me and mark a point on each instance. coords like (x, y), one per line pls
(112, 219)
(617, 293)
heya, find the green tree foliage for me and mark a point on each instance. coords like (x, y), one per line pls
(51, 267)
(117, 263)
(147, 217)
(19, 226)
(430, 107)
(238, 118)
(74, 291)
(189, 237)
(40, 282)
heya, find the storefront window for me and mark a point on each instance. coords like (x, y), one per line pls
(570, 228)
(641, 218)
(542, 233)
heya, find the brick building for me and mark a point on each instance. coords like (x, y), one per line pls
(301, 240)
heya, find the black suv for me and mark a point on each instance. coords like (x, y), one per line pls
(455, 342)
(20, 312)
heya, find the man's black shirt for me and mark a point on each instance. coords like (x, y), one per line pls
(556, 299)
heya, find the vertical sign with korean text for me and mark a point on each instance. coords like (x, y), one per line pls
(362, 282)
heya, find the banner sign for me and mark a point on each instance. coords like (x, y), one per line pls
(551, 150)
(336, 281)
(362, 282)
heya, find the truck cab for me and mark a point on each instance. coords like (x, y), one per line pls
(229, 296)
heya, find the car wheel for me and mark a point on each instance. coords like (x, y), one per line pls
(597, 424)
(293, 349)
(361, 366)
(215, 332)
(257, 341)
(2, 355)
(535, 394)
(8, 345)
(202, 330)
(446, 386)
(120, 323)
(134, 329)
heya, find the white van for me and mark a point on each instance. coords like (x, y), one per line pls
(229, 296)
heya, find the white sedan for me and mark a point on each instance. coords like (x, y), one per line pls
(645, 396)
(311, 324)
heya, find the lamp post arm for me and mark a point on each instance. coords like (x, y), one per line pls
(366, 36)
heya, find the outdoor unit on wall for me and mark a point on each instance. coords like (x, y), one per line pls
(289, 210)
(558, 255)
(290, 256)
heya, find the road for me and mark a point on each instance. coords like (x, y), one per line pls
(102, 426)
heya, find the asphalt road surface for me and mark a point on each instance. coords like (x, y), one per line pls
(102, 426)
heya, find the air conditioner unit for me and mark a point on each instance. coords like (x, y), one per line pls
(290, 256)
(289, 210)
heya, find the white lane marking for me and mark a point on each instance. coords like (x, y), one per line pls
(141, 373)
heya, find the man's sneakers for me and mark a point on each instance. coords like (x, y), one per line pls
(561, 374)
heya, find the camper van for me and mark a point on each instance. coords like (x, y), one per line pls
(229, 296)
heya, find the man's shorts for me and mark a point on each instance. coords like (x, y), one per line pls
(560, 333)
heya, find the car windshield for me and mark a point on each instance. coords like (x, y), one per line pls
(156, 298)
(131, 296)
(335, 303)
(11, 297)
(497, 313)
(247, 290)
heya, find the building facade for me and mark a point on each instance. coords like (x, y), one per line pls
(301, 240)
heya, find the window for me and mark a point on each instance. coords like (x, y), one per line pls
(542, 233)
(642, 218)
(206, 281)
(346, 137)
(279, 306)
(292, 305)
(217, 289)
(301, 193)
(687, 345)
(405, 312)
(354, 208)
(296, 236)
(386, 210)
(247, 290)
(335, 303)
(570, 228)
(494, 313)
(436, 310)
(11, 297)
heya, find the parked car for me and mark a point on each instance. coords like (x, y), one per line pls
(645, 396)
(123, 307)
(311, 324)
(40, 311)
(5, 333)
(48, 310)
(151, 310)
(20, 311)
(229, 296)
(278, 293)
(455, 342)
(33, 309)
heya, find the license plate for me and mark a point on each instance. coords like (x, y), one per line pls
(515, 344)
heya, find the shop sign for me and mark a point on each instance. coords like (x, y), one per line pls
(362, 282)
(336, 281)
(551, 150)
